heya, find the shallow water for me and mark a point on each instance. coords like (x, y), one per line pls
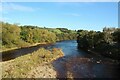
(81, 67)
(79, 63)
(68, 47)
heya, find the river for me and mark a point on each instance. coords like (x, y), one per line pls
(68, 47)
(81, 64)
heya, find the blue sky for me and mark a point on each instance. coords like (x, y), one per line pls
(71, 15)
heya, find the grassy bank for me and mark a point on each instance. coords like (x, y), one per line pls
(2, 49)
(21, 66)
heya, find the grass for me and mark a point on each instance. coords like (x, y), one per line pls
(21, 66)
(23, 45)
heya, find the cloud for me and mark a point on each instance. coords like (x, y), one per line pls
(16, 7)
(20, 7)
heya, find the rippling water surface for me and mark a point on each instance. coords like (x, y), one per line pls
(79, 63)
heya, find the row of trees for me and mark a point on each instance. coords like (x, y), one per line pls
(106, 42)
(14, 35)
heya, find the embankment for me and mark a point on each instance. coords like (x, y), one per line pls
(24, 66)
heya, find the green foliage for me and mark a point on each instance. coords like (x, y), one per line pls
(106, 42)
(65, 30)
(20, 36)
(56, 31)
(10, 34)
(35, 35)
(107, 35)
(116, 36)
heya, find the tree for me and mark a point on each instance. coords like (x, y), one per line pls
(116, 35)
(107, 34)
(10, 34)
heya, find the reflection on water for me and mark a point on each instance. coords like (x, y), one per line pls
(80, 64)
(68, 47)
(8, 55)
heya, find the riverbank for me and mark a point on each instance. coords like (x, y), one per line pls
(8, 55)
(4, 49)
(64, 67)
(100, 55)
(26, 46)
(50, 64)
(24, 66)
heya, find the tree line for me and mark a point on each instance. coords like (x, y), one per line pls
(18, 36)
(106, 42)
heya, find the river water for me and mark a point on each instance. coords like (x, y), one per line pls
(68, 47)
(81, 64)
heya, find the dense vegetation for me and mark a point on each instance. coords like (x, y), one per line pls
(19, 36)
(106, 42)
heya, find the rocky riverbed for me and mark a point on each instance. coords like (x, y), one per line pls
(52, 64)
(79, 67)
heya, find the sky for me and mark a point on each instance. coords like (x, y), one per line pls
(71, 15)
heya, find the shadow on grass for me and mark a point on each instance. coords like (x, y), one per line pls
(12, 54)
